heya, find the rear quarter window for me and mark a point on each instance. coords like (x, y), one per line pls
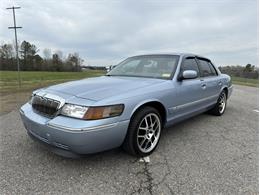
(213, 69)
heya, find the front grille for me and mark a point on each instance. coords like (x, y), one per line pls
(45, 106)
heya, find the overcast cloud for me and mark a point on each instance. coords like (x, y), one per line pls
(105, 32)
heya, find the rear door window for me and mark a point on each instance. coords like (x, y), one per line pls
(205, 68)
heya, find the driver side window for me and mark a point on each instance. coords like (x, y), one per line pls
(189, 64)
(131, 66)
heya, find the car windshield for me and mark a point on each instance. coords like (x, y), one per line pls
(151, 66)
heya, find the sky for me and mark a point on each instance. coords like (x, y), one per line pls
(104, 32)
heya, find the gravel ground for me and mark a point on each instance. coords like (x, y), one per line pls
(203, 155)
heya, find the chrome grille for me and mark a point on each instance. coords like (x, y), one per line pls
(45, 106)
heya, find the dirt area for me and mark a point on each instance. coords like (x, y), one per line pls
(12, 101)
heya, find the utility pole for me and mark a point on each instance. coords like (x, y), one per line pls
(16, 44)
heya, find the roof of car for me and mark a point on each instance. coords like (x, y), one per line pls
(180, 54)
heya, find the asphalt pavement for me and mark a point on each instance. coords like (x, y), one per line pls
(202, 155)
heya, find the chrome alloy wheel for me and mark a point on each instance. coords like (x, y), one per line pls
(222, 102)
(148, 132)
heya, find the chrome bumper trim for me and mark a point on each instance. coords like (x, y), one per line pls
(95, 128)
(21, 111)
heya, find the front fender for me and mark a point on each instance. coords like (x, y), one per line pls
(137, 106)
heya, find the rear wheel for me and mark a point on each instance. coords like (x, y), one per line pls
(144, 132)
(220, 107)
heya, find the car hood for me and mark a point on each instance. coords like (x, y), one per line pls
(103, 87)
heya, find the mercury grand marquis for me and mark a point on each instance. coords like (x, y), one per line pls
(128, 107)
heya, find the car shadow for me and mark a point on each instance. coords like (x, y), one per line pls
(176, 130)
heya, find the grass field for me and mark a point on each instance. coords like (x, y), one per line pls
(32, 80)
(12, 96)
(244, 81)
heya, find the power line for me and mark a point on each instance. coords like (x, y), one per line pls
(16, 44)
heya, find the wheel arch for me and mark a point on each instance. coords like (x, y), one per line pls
(225, 88)
(155, 104)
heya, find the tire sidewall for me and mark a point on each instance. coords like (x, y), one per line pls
(137, 120)
(221, 113)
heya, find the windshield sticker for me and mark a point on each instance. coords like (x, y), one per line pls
(166, 75)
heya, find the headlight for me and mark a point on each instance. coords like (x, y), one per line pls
(74, 110)
(92, 113)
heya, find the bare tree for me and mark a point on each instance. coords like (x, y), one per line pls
(7, 60)
(32, 61)
(47, 53)
(59, 53)
(75, 61)
(6, 51)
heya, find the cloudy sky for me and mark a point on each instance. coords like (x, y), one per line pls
(105, 32)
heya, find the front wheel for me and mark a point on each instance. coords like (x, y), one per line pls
(144, 132)
(220, 107)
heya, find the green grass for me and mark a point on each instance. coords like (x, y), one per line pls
(32, 80)
(245, 81)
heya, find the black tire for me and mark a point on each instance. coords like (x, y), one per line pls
(131, 143)
(218, 109)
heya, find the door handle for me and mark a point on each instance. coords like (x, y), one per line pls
(203, 86)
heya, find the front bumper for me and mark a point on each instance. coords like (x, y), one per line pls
(74, 135)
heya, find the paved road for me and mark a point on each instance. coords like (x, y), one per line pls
(204, 155)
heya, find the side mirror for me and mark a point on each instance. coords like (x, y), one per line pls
(189, 74)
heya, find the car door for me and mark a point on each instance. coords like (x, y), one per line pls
(210, 81)
(190, 91)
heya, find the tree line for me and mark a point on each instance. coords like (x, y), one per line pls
(248, 71)
(30, 60)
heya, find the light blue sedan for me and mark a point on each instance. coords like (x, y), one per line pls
(128, 107)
